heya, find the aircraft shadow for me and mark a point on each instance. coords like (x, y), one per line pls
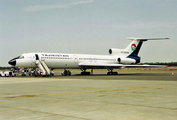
(120, 74)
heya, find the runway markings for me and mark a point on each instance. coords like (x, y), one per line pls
(99, 91)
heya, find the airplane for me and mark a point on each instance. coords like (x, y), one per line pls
(117, 58)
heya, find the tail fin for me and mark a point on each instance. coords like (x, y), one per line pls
(134, 47)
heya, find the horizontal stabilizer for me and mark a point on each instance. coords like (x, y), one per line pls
(145, 39)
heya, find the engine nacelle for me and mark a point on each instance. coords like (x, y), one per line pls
(126, 61)
(114, 51)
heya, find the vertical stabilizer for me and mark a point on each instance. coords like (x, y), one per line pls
(135, 46)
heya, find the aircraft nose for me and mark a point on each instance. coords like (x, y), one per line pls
(12, 62)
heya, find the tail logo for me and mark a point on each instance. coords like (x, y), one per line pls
(133, 47)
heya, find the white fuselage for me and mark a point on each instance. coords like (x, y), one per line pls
(60, 60)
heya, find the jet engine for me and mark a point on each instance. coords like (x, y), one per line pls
(126, 61)
(114, 51)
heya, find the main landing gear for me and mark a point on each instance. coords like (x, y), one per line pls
(111, 72)
(84, 72)
(66, 73)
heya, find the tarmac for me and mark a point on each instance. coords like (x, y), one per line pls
(131, 95)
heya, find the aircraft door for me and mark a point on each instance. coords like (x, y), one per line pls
(37, 56)
(115, 60)
(75, 59)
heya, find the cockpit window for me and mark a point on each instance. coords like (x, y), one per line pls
(19, 57)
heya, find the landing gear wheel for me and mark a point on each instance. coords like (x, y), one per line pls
(85, 73)
(112, 73)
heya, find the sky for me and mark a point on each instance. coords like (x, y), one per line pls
(87, 27)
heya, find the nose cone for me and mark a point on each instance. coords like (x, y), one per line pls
(12, 62)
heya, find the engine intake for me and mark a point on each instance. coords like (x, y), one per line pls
(114, 51)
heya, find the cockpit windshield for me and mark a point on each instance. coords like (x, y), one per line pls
(19, 57)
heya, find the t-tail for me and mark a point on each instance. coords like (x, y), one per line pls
(132, 50)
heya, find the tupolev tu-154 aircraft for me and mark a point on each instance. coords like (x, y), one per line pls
(117, 58)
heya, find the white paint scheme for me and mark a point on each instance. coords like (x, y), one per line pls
(118, 58)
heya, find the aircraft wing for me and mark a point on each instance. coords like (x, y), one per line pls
(107, 66)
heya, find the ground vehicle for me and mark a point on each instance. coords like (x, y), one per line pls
(7, 73)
